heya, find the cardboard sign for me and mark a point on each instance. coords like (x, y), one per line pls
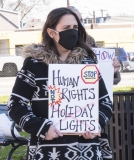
(73, 97)
(105, 61)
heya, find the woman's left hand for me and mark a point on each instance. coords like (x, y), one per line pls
(116, 64)
(89, 135)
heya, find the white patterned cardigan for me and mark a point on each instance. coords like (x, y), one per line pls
(31, 87)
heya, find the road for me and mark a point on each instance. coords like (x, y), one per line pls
(127, 79)
(6, 84)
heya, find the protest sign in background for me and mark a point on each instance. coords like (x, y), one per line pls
(73, 97)
(105, 60)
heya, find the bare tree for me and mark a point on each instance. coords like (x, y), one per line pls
(28, 9)
(47, 1)
(24, 7)
(2, 3)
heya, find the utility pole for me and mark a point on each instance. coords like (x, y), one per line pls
(102, 10)
(68, 4)
(94, 17)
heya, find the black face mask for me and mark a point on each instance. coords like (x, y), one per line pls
(68, 38)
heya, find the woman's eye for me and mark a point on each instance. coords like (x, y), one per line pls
(69, 27)
(66, 27)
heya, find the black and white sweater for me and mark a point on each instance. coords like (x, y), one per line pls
(31, 88)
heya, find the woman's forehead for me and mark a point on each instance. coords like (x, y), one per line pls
(68, 19)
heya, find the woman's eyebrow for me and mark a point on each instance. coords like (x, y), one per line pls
(70, 25)
(66, 25)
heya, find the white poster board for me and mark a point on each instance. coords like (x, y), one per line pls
(73, 97)
(105, 60)
(5, 127)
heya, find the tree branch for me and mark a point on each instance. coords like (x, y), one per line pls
(2, 2)
(23, 6)
(18, 5)
(30, 9)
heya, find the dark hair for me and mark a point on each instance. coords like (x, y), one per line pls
(53, 19)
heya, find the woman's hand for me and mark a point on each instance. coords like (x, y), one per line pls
(53, 133)
(116, 64)
(89, 135)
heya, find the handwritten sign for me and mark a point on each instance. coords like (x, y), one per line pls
(104, 54)
(105, 60)
(73, 97)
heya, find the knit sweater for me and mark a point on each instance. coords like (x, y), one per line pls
(31, 88)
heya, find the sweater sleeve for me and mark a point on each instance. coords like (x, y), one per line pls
(117, 78)
(105, 104)
(21, 95)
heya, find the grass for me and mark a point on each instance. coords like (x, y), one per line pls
(19, 154)
(3, 99)
(123, 89)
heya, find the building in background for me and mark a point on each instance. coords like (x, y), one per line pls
(106, 37)
(109, 19)
(34, 23)
(90, 20)
(9, 21)
(12, 41)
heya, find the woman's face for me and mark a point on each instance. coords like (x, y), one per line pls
(66, 22)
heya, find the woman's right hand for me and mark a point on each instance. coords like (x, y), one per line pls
(53, 133)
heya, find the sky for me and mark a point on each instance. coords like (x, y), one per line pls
(86, 7)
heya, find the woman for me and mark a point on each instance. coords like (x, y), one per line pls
(90, 41)
(63, 36)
